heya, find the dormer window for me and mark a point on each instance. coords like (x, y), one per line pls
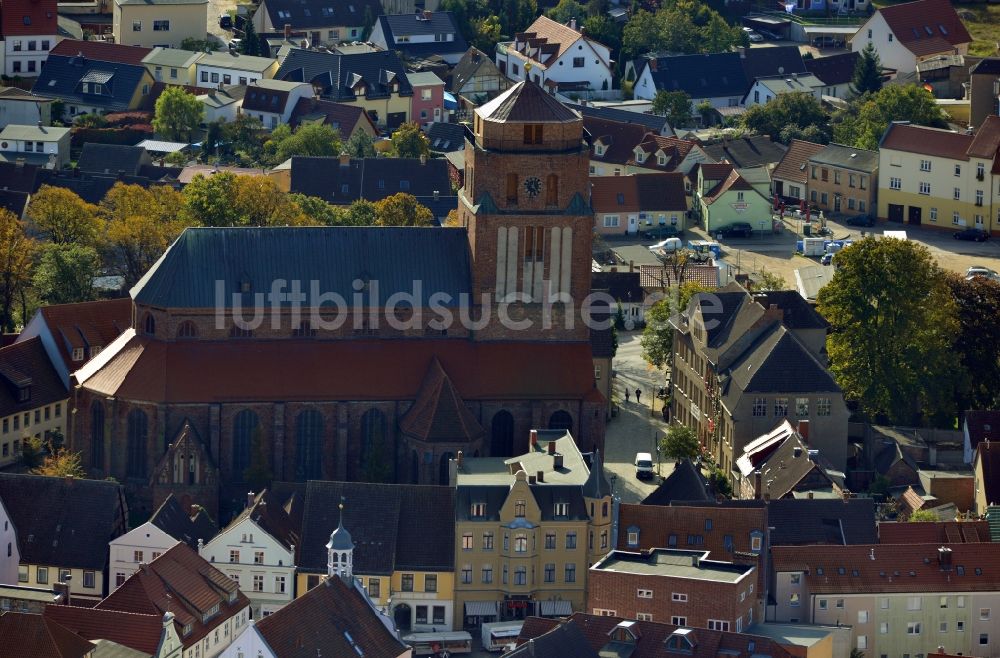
(626, 631)
(187, 629)
(640, 156)
(561, 509)
(24, 394)
(661, 160)
(681, 641)
(478, 510)
(599, 149)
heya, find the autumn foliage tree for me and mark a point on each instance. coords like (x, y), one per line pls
(16, 261)
(402, 209)
(63, 217)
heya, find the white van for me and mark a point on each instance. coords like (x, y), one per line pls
(669, 246)
(643, 465)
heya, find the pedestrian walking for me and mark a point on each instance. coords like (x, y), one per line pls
(638, 394)
(626, 395)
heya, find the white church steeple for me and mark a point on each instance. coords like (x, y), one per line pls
(340, 550)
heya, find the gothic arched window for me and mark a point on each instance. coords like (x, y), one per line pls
(245, 424)
(97, 434)
(309, 445)
(137, 436)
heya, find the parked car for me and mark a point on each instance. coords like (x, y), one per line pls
(827, 259)
(974, 234)
(827, 42)
(861, 220)
(769, 35)
(226, 22)
(738, 230)
(753, 35)
(643, 465)
(661, 232)
(983, 271)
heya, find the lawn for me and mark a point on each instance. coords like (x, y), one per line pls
(982, 21)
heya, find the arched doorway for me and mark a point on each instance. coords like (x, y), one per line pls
(561, 420)
(502, 434)
(403, 617)
(444, 470)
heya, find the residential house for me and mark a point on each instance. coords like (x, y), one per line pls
(325, 22)
(231, 68)
(63, 526)
(623, 291)
(765, 89)
(199, 609)
(790, 179)
(476, 78)
(344, 118)
(170, 524)
(730, 349)
(658, 153)
(375, 81)
(835, 72)
(635, 585)
(978, 425)
(173, 66)
(624, 113)
(257, 551)
(723, 196)
(406, 554)
(427, 102)
(560, 57)
(223, 104)
(94, 77)
(32, 398)
(334, 619)
(446, 137)
(342, 181)
(24, 108)
(746, 152)
(639, 202)
(685, 482)
(547, 499)
(38, 636)
(37, 144)
(151, 23)
(416, 35)
(903, 598)
(984, 90)
(906, 34)
(591, 636)
(612, 145)
(938, 178)
(986, 467)
(272, 101)
(843, 180)
(29, 29)
(780, 464)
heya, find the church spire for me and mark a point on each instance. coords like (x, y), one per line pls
(340, 550)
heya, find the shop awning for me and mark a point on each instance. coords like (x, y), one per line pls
(556, 608)
(481, 609)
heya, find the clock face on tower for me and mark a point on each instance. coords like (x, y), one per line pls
(532, 186)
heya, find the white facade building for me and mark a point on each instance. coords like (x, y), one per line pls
(140, 546)
(558, 56)
(232, 69)
(10, 556)
(906, 34)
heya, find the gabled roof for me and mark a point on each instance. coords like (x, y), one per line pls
(339, 75)
(526, 102)
(373, 179)
(547, 32)
(658, 276)
(787, 465)
(64, 522)
(474, 63)
(988, 458)
(685, 483)
(36, 636)
(793, 166)
(141, 632)
(446, 137)
(900, 568)
(674, 148)
(267, 514)
(86, 326)
(982, 424)
(547, 638)
(848, 157)
(426, 23)
(733, 181)
(320, 13)
(602, 342)
(783, 84)
(987, 140)
(101, 51)
(778, 363)
(26, 365)
(776, 61)
(650, 122)
(701, 76)
(987, 66)
(171, 57)
(15, 202)
(62, 76)
(439, 413)
(617, 139)
(612, 194)
(902, 136)
(183, 583)
(14, 132)
(926, 27)
(822, 521)
(622, 286)
(340, 116)
(269, 95)
(112, 158)
(233, 60)
(171, 518)
(22, 177)
(752, 151)
(390, 523)
(28, 18)
(661, 191)
(334, 618)
(835, 69)
(797, 313)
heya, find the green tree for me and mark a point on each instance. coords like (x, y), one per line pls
(892, 321)
(769, 281)
(658, 336)
(719, 482)
(360, 145)
(319, 211)
(178, 114)
(866, 118)
(409, 142)
(32, 452)
(675, 106)
(977, 307)
(361, 213)
(250, 44)
(225, 199)
(313, 139)
(681, 442)
(16, 263)
(800, 110)
(602, 29)
(922, 516)
(402, 209)
(200, 45)
(60, 462)
(705, 112)
(566, 10)
(486, 33)
(243, 136)
(867, 72)
(65, 273)
(63, 217)
(680, 26)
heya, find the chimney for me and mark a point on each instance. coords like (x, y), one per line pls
(757, 484)
(540, 477)
(249, 498)
(810, 495)
(652, 65)
(572, 24)
(531, 479)
(557, 461)
(460, 458)
(797, 451)
(288, 31)
(944, 558)
(804, 430)
(345, 160)
(427, 14)
(552, 447)
(201, 544)
(533, 438)
(772, 311)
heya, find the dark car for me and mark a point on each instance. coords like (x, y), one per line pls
(861, 220)
(738, 230)
(661, 232)
(975, 234)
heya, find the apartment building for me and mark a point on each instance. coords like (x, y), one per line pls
(150, 23)
(33, 400)
(843, 180)
(939, 178)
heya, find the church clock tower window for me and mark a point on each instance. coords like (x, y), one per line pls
(512, 189)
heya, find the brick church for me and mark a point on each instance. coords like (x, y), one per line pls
(238, 363)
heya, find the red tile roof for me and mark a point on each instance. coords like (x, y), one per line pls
(439, 414)
(36, 636)
(988, 456)
(610, 194)
(926, 27)
(733, 182)
(657, 276)
(340, 116)
(137, 631)
(618, 139)
(875, 568)
(675, 149)
(926, 141)
(27, 364)
(339, 370)
(933, 531)
(793, 165)
(86, 325)
(547, 32)
(657, 524)
(29, 17)
(987, 139)
(102, 51)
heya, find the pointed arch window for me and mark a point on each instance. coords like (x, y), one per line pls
(245, 424)
(97, 434)
(187, 330)
(149, 325)
(137, 437)
(309, 445)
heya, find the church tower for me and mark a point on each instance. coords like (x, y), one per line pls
(526, 205)
(340, 551)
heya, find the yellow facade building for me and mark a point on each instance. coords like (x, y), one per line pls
(151, 23)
